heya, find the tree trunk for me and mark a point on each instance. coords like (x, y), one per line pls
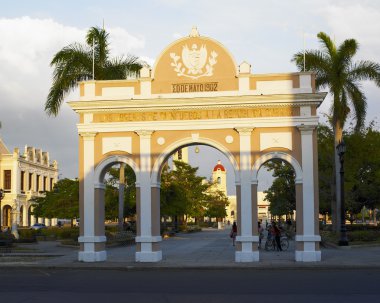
(121, 196)
(335, 207)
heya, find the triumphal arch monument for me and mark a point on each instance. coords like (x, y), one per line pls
(196, 94)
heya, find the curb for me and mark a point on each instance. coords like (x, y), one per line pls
(149, 267)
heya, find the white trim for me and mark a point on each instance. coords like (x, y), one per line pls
(94, 239)
(308, 238)
(92, 256)
(145, 186)
(88, 194)
(245, 256)
(245, 210)
(100, 169)
(247, 239)
(99, 185)
(308, 256)
(277, 155)
(145, 256)
(191, 140)
(147, 239)
(198, 124)
(308, 179)
(268, 96)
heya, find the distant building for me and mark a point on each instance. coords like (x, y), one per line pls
(23, 176)
(181, 155)
(219, 177)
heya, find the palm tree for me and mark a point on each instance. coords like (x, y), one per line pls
(336, 70)
(74, 63)
(77, 62)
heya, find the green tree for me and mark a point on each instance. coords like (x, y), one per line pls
(336, 71)
(281, 195)
(362, 170)
(215, 206)
(325, 168)
(183, 193)
(112, 193)
(61, 202)
(74, 63)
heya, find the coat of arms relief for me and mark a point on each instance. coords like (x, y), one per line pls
(194, 63)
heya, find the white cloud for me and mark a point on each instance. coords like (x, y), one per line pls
(358, 22)
(27, 46)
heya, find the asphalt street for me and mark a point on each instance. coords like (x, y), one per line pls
(181, 285)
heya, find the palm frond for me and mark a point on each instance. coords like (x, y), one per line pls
(327, 43)
(365, 70)
(359, 103)
(72, 64)
(99, 38)
(345, 53)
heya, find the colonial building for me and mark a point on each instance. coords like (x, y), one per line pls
(23, 176)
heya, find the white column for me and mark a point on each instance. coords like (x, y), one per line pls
(146, 239)
(89, 254)
(309, 236)
(25, 216)
(32, 218)
(246, 238)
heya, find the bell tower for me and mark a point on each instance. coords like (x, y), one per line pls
(219, 177)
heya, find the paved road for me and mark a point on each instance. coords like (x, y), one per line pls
(206, 249)
(152, 285)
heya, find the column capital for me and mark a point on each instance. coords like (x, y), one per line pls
(306, 128)
(88, 135)
(144, 133)
(244, 131)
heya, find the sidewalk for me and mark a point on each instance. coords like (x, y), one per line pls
(204, 250)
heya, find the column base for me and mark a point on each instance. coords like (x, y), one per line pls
(148, 256)
(92, 256)
(308, 256)
(247, 256)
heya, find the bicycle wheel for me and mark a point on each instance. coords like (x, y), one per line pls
(269, 245)
(284, 244)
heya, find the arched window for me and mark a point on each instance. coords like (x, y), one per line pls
(219, 180)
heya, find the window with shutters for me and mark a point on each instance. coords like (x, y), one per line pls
(7, 180)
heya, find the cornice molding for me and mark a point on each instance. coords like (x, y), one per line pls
(198, 103)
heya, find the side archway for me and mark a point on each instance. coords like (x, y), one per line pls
(277, 155)
(101, 169)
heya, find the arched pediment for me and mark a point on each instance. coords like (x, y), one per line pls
(194, 64)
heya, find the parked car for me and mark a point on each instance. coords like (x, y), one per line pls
(38, 226)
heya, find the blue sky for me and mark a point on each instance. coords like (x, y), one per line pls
(264, 33)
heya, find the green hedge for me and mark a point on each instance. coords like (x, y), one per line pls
(363, 235)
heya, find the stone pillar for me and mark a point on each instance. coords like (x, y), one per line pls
(307, 248)
(32, 218)
(25, 217)
(93, 248)
(15, 218)
(147, 249)
(245, 237)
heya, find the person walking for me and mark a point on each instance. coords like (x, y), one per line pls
(233, 233)
(277, 236)
(261, 232)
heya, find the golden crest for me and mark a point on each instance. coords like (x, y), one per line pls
(195, 62)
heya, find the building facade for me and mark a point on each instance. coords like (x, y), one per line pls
(195, 95)
(24, 176)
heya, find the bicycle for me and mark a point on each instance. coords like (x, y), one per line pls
(270, 243)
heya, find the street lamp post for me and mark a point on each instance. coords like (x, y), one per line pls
(341, 149)
(1, 198)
